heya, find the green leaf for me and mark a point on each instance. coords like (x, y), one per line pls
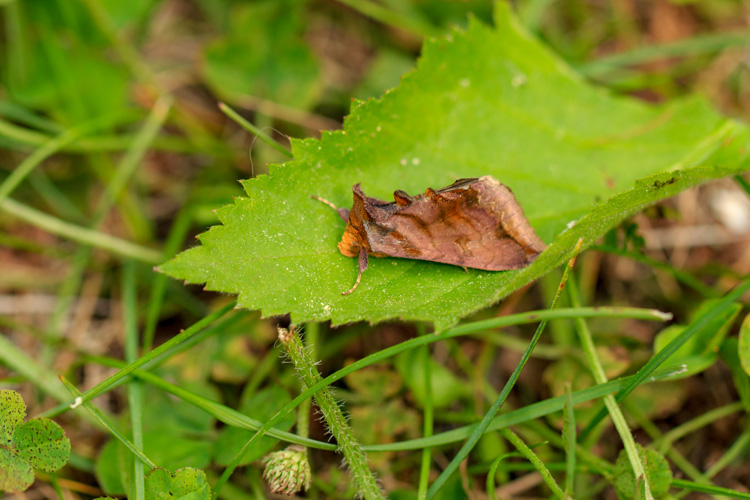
(702, 349)
(183, 484)
(40, 72)
(15, 474)
(35, 444)
(374, 383)
(744, 345)
(175, 434)
(730, 352)
(42, 443)
(481, 102)
(445, 386)
(656, 468)
(113, 468)
(12, 412)
(261, 406)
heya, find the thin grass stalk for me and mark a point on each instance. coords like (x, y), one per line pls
(712, 490)
(105, 423)
(427, 425)
(532, 457)
(51, 147)
(392, 18)
(597, 371)
(81, 235)
(489, 416)
(176, 236)
(233, 418)
(569, 435)
(738, 449)
(477, 326)
(257, 132)
(135, 388)
(130, 368)
(660, 357)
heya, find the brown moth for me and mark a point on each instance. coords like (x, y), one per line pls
(472, 223)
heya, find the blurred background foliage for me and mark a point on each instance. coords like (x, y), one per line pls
(89, 73)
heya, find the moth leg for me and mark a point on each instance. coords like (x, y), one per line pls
(362, 268)
(343, 212)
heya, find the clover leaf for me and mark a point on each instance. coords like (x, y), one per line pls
(34, 444)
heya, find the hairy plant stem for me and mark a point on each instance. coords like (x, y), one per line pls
(354, 456)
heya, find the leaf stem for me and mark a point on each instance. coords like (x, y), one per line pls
(354, 456)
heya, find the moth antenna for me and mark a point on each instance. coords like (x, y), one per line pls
(343, 212)
(323, 200)
(252, 143)
(362, 268)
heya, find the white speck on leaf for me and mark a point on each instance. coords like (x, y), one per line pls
(464, 82)
(415, 161)
(403, 162)
(518, 81)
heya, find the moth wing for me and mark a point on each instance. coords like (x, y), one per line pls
(479, 226)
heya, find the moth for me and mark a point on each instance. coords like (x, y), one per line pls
(473, 223)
